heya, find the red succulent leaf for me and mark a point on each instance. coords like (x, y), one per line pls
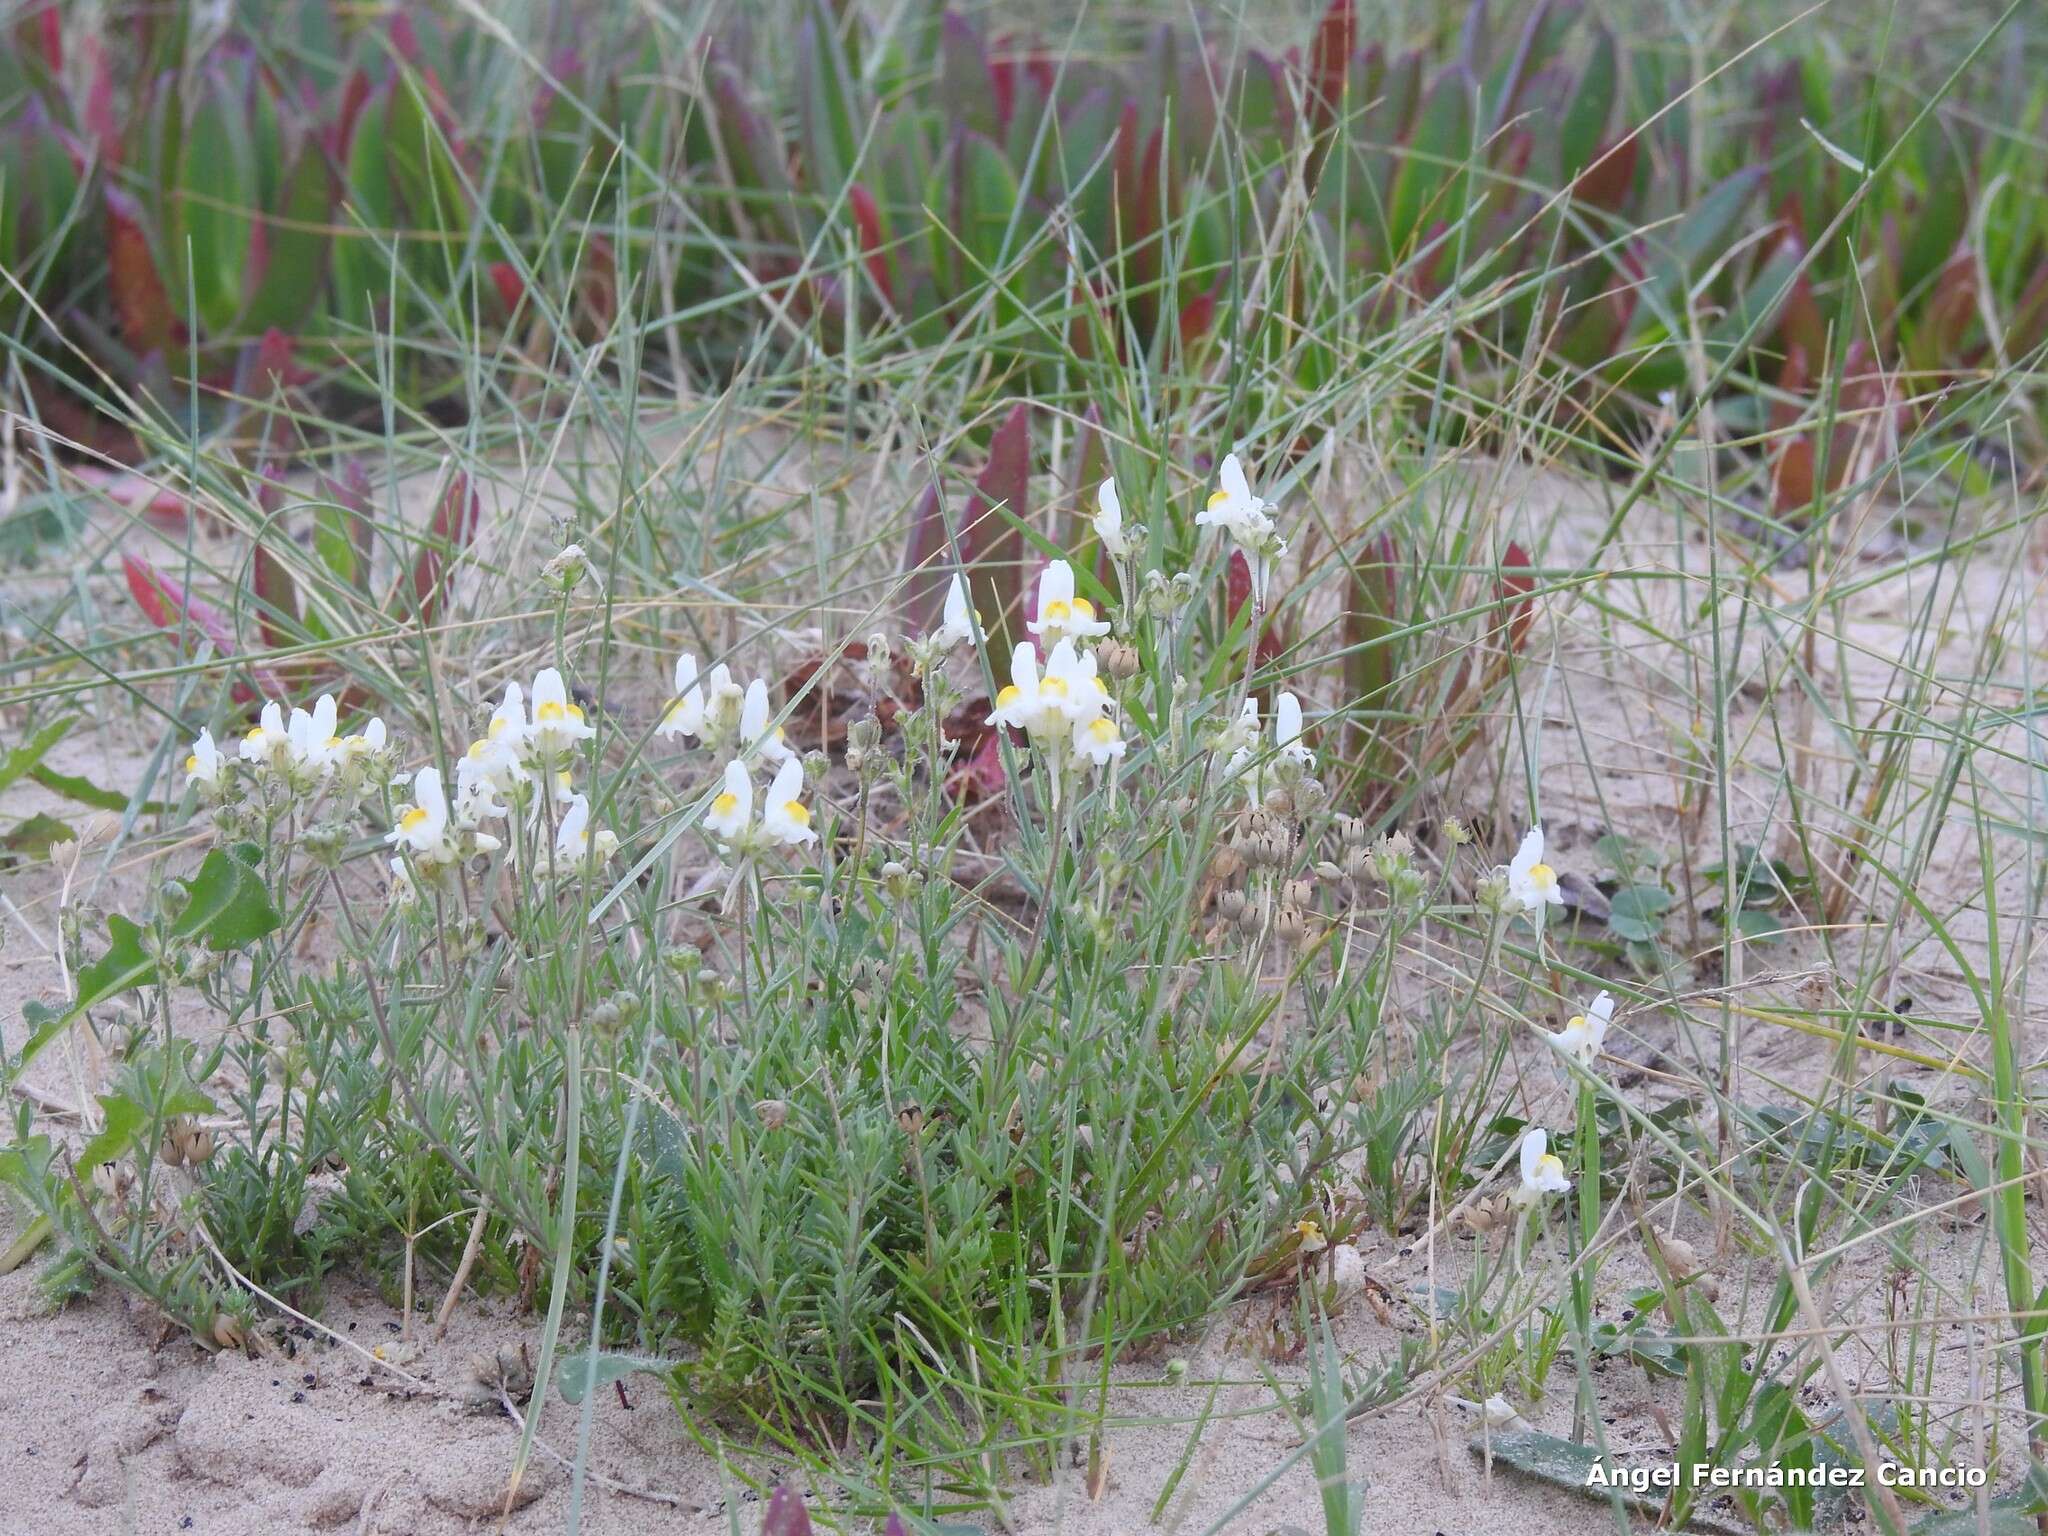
(1197, 316)
(510, 285)
(405, 40)
(1607, 180)
(159, 504)
(50, 37)
(167, 605)
(786, 1514)
(1514, 587)
(924, 553)
(895, 1527)
(454, 525)
(99, 103)
(1329, 64)
(355, 95)
(147, 322)
(867, 222)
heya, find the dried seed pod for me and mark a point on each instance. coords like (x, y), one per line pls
(1357, 864)
(772, 1113)
(1680, 1257)
(1247, 919)
(911, 1119)
(1280, 800)
(199, 1146)
(228, 1331)
(1231, 905)
(1328, 873)
(1118, 659)
(1289, 926)
(1226, 864)
(1298, 893)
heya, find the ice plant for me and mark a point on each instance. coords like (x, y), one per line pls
(1248, 521)
(205, 766)
(1580, 1039)
(558, 722)
(785, 819)
(1542, 1170)
(1061, 614)
(1532, 884)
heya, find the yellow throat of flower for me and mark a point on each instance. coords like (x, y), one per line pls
(1084, 610)
(797, 812)
(1056, 612)
(412, 818)
(192, 763)
(1542, 876)
(1549, 1163)
(1102, 730)
(1054, 687)
(550, 712)
(1007, 695)
(1217, 498)
(725, 804)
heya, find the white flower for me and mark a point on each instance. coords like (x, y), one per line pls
(1096, 741)
(575, 842)
(508, 728)
(959, 621)
(733, 807)
(784, 817)
(1531, 882)
(487, 770)
(722, 705)
(1581, 1037)
(311, 738)
(558, 722)
(1249, 522)
(423, 826)
(1017, 701)
(268, 741)
(1542, 1170)
(1060, 612)
(1234, 508)
(1499, 1413)
(1072, 682)
(685, 716)
(205, 766)
(757, 736)
(1287, 731)
(356, 749)
(1109, 521)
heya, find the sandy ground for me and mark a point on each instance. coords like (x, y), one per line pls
(106, 1425)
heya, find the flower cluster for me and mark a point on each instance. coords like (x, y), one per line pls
(719, 714)
(303, 752)
(1064, 709)
(716, 712)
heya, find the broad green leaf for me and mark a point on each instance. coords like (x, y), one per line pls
(226, 907)
(75, 786)
(1637, 912)
(31, 839)
(580, 1373)
(26, 757)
